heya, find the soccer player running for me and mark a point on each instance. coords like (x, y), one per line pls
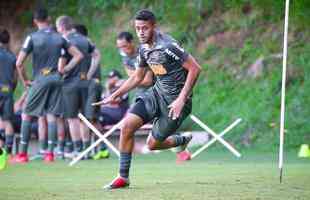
(168, 102)
(7, 78)
(75, 87)
(44, 95)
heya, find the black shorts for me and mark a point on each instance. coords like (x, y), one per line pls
(94, 95)
(152, 106)
(75, 94)
(6, 107)
(2, 135)
(44, 96)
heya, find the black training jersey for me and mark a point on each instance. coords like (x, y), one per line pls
(165, 58)
(130, 62)
(97, 74)
(7, 67)
(46, 46)
(86, 48)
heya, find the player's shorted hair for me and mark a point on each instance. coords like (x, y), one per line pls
(125, 35)
(65, 21)
(81, 28)
(145, 15)
(41, 14)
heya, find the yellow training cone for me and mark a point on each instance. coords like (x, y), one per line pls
(304, 151)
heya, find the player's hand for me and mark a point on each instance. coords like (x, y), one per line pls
(27, 83)
(107, 100)
(61, 70)
(176, 108)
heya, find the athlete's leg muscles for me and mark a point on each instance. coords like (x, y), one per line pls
(42, 131)
(51, 132)
(170, 142)
(130, 124)
(9, 136)
(61, 134)
(25, 132)
(74, 127)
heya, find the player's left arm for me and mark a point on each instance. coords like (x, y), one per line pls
(193, 69)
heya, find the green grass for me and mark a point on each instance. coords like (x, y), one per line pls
(212, 175)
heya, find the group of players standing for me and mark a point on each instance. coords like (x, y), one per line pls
(66, 79)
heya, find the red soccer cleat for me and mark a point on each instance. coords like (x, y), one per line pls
(48, 158)
(183, 156)
(117, 183)
(21, 158)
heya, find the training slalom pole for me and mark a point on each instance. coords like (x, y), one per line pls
(282, 120)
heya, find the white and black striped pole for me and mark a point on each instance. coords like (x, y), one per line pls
(282, 119)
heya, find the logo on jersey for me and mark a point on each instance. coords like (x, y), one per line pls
(173, 55)
(177, 46)
(45, 71)
(158, 69)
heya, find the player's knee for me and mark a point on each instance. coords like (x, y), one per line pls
(26, 117)
(51, 118)
(73, 121)
(8, 126)
(152, 143)
(151, 146)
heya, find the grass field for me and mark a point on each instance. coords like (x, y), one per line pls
(212, 175)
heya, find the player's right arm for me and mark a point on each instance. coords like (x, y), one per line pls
(148, 79)
(129, 71)
(132, 82)
(26, 49)
(61, 64)
(77, 56)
